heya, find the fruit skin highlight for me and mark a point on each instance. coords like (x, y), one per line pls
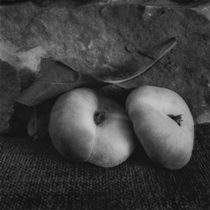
(89, 127)
(163, 124)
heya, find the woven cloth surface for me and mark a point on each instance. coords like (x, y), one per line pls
(35, 176)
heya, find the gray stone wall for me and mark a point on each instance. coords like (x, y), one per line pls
(94, 39)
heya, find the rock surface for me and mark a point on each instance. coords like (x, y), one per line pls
(93, 39)
(9, 89)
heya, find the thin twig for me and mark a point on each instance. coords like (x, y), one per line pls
(35, 123)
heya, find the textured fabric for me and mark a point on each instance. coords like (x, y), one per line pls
(35, 176)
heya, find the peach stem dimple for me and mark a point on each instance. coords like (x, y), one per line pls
(176, 118)
(99, 117)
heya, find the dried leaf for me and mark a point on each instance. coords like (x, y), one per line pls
(54, 79)
(150, 62)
